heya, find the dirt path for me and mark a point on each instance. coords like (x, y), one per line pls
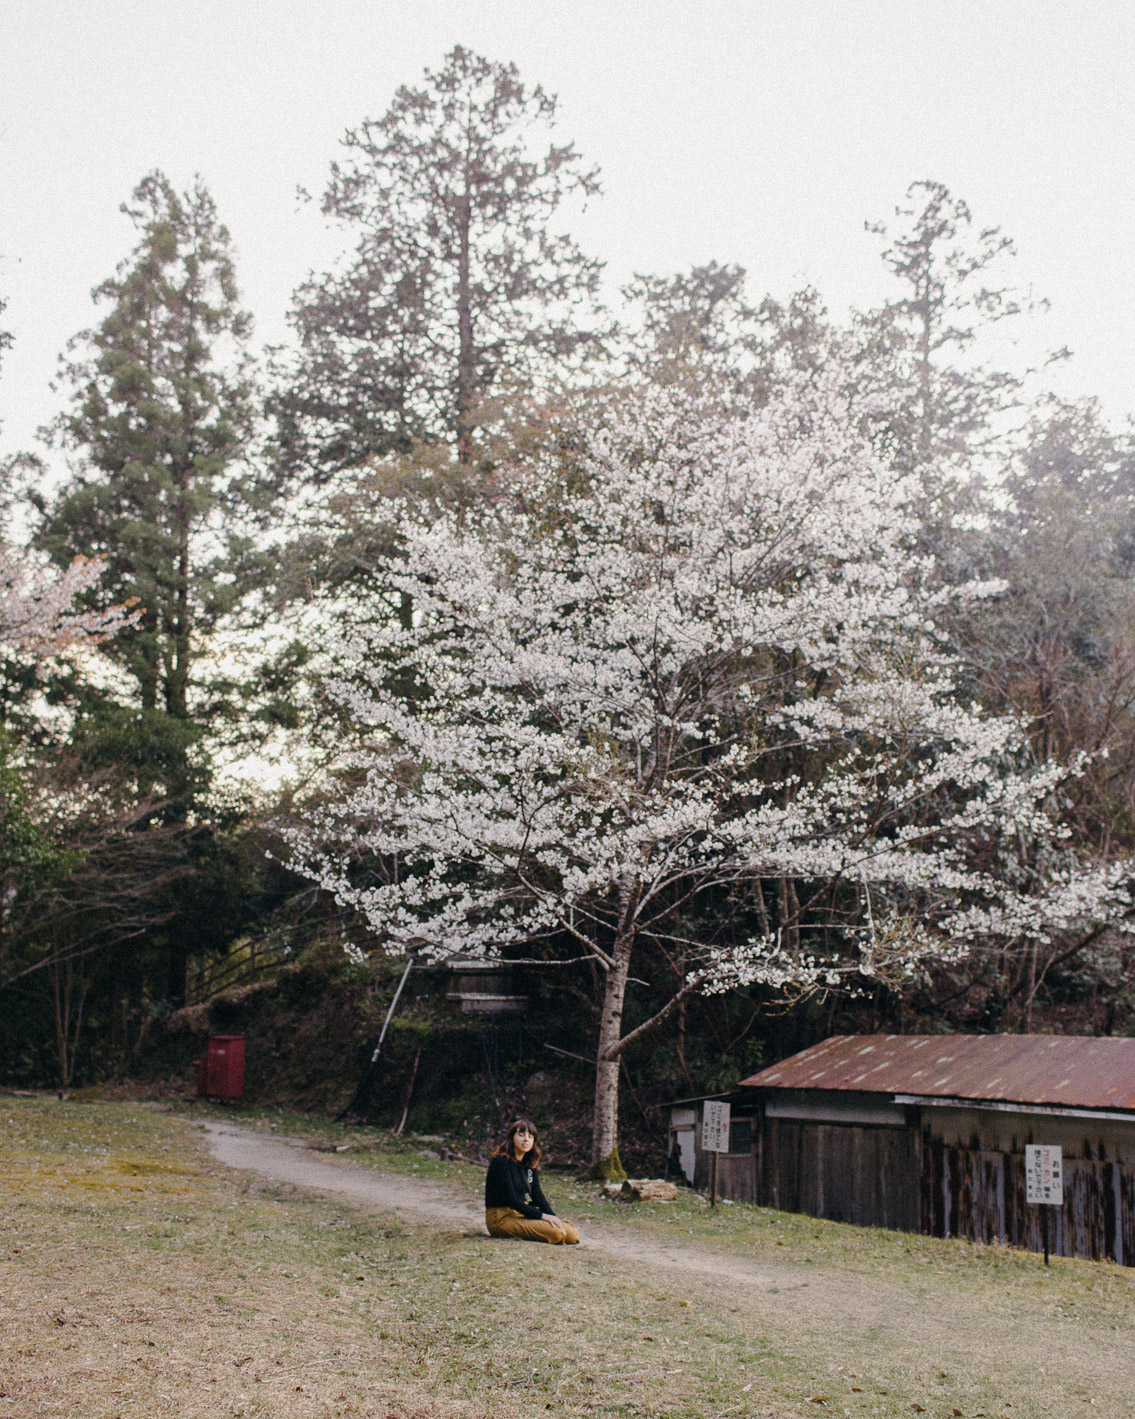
(874, 1315)
(293, 1162)
(289, 1161)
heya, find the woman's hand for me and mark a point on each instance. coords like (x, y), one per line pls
(555, 1221)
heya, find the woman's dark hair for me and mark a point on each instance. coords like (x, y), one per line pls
(506, 1150)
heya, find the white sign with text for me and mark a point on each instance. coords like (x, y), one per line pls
(1044, 1174)
(715, 1127)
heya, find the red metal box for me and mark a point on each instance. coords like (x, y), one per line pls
(225, 1067)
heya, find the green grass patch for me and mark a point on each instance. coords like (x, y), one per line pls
(139, 1278)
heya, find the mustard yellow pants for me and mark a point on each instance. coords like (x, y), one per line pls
(507, 1222)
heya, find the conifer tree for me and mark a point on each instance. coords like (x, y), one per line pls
(458, 291)
(695, 326)
(160, 415)
(947, 402)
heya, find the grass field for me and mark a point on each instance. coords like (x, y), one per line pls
(140, 1279)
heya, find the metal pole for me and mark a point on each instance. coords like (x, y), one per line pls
(390, 1012)
(358, 1099)
(713, 1181)
(1044, 1228)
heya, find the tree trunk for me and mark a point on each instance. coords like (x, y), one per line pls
(145, 662)
(177, 683)
(925, 368)
(1031, 989)
(177, 975)
(466, 352)
(605, 1136)
(680, 1044)
(788, 906)
(184, 477)
(69, 991)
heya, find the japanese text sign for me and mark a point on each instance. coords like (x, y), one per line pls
(715, 1127)
(1044, 1174)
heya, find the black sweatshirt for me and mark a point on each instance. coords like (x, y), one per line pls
(511, 1184)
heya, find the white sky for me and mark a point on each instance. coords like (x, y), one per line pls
(757, 131)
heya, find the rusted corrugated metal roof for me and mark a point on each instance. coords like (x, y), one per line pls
(1076, 1071)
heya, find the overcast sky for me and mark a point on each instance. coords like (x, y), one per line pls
(758, 131)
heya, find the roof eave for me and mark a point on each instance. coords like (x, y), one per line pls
(1011, 1106)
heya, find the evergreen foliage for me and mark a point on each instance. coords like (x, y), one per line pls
(161, 414)
(946, 276)
(447, 424)
(459, 291)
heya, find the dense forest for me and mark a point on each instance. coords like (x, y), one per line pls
(731, 673)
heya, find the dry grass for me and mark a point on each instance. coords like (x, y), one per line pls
(138, 1280)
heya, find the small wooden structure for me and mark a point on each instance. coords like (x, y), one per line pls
(484, 988)
(926, 1133)
(736, 1174)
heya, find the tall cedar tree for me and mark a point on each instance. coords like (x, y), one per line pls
(457, 291)
(162, 410)
(945, 407)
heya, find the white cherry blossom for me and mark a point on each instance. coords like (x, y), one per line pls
(696, 664)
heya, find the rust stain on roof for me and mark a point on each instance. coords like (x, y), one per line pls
(1077, 1071)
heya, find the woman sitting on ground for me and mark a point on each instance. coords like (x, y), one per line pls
(515, 1205)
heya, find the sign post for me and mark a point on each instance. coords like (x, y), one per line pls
(714, 1139)
(1044, 1182)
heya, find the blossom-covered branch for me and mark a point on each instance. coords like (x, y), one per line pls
(39, 611)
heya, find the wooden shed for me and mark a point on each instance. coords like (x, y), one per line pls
(736, 1170)
(926, 1133)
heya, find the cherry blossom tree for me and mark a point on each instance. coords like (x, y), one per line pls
(40, 611)
(42, 620)
(685, 694)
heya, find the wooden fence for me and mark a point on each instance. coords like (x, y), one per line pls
(245, 963)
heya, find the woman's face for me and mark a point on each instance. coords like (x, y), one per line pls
(522, 1140)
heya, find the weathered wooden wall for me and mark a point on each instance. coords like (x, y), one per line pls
(736, 1175)
(973, 1182)
(957, 1174)
(946, 1171)
(859, 1174)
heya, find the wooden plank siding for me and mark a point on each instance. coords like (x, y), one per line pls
(860, 1174)
(979, 1194)
(913, 1179)
(736, 1176)
(946, 1171)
